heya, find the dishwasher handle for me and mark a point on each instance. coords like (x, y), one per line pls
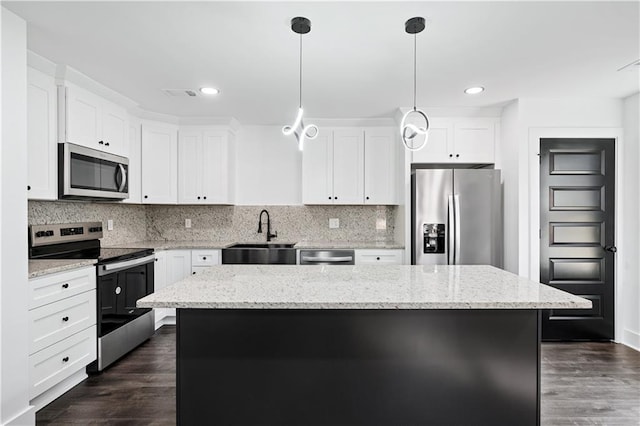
(316, 259)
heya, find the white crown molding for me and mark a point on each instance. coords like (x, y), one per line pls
(452, 112)
(41, 63)
(351, 122)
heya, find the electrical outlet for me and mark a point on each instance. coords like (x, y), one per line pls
(110, 225)
(187, 223)
(334, 223)
(381, 223)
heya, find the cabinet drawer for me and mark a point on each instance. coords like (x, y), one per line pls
(382, 257)
(59, 361)
(56, 321)
(205, 257)
(198, 270)
(54, 287)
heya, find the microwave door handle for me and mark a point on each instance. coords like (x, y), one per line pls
(123, 173)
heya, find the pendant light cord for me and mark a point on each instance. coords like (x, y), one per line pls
(414, 71)
(300, 71)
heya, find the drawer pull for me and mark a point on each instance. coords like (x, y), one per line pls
(65, 319)
(65, 285)
(204, 257)
(65, 359)
(378, 258)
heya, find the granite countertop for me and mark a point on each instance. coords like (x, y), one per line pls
(349, 245)
(38, 267)
(358, 287)
(175, 245)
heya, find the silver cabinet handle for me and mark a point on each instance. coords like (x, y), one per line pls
(451, 232)
(327, 259)
(456, 199)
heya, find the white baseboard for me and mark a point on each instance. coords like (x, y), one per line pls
(631, 339)
(56, 391)
(26, 418)
(168, 320)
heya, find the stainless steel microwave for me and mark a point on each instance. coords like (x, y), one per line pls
(85, 173)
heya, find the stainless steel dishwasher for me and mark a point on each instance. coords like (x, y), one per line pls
(326, 257)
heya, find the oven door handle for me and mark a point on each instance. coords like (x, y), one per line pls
(118, 266)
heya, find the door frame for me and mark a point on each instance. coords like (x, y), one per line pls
(532, 225)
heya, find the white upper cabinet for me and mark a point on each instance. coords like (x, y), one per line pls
(159, 164)
(333, 167)
(89, 120)
(460, 140)
(348, 166)
(475, 140)
(380, 166)
(134, 149)
(206, 158)
(317, 169)
(42, 165)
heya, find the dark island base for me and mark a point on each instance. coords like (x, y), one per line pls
(358, 367)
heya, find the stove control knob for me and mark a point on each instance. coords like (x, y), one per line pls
(40, 234)
(118, 290)
(48, 233)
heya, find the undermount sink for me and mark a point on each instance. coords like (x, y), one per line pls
(262, 246)
(259, 254)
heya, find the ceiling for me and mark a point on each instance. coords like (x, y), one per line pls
(357, 57)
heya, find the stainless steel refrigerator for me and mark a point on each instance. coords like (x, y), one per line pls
(456, 217)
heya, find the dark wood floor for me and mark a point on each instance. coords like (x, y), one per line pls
(582, 384)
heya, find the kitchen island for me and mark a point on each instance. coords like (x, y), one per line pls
(358, 345)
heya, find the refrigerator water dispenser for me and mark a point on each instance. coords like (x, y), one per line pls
(433, 234)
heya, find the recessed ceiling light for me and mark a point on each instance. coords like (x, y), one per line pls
(474, 90)
(209, 90)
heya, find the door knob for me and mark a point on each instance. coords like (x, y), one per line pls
(611, 249)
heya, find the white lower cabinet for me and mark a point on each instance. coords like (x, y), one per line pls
(380, 257)
(203, 259)
(62, 332)
(171, 267)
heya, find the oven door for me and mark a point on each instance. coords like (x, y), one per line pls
(120, 285)
(89, 173)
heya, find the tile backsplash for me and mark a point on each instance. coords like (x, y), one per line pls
(129, 221)
(292, 223)
(222, 223)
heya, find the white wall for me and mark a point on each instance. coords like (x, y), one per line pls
(508, 150)
(14, 347)
(629, 267)
(268, 167)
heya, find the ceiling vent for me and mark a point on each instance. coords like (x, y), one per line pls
(181, 93)
(633, 66)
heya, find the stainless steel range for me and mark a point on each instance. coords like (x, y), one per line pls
(123, 276)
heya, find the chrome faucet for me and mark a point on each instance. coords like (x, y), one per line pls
(269, 234)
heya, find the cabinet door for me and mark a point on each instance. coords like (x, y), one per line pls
(178, 265)
(41, 136)
(380, 180)
(216, 170)
(348, 166)
(439, 148)
(135, 164)
(114, 129)
(317, 169)
(83, 124)
(475, 140)
(190, 165)
(159, 164)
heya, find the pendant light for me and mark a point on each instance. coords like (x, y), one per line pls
(301, 25)
(411, 134)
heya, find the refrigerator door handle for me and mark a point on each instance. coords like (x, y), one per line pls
(456, 202)
(451, 232)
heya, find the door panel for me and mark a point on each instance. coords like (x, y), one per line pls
(577, 187)
(431, 191)
(480, 219)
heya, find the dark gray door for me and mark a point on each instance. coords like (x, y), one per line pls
(577, 211)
